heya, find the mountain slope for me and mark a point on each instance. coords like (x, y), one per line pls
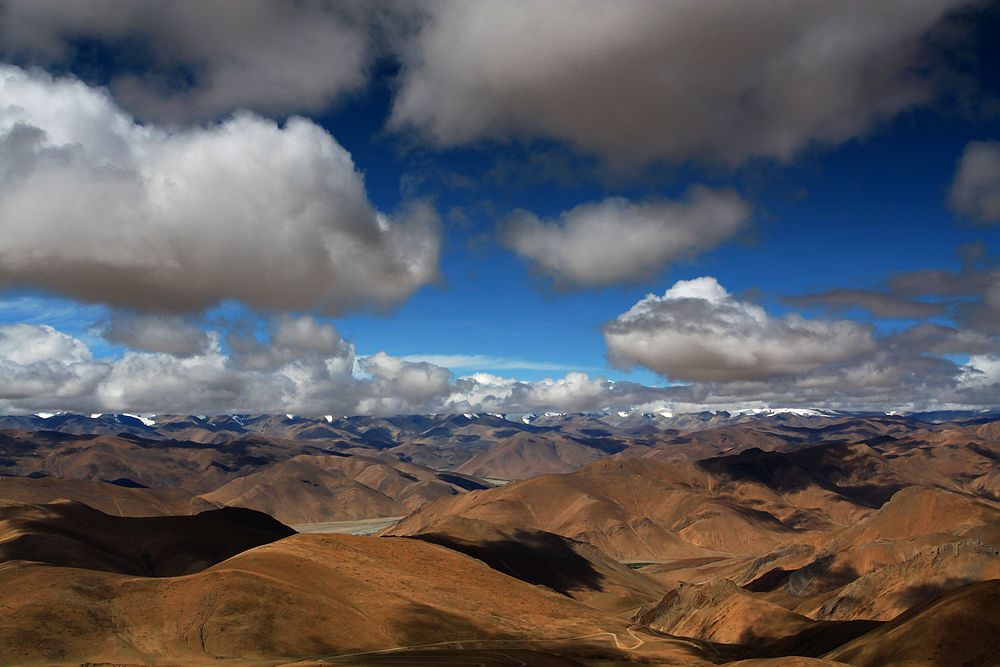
(73, 535)
(304, 596)
(111, 499)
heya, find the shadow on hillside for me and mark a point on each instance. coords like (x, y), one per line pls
(921, 593)
(827, 466)
(814, 641)
(823, 574)
(538, 558)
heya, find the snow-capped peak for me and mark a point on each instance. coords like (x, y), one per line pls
(145, 420)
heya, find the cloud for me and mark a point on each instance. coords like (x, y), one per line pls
(397, 386)
(876, 303)
(156, 333)
(975, 192)
(156, 220)
(303, 366)
(485, 361)
(574, 392)
(698, 331)
(642, 81)
(615, 241)
(292, 338)
(972, 294)
(200, 60)
(40, 363)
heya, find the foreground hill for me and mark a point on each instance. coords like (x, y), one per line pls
(959, 628)
(304, 596)
(74, 535)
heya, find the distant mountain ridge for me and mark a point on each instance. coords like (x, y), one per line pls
(325, 426)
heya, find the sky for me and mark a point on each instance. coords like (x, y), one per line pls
(469, 206)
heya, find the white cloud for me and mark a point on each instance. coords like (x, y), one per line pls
(576, 392)
(40, 363)
(682, 80)
(982, 370)
(29, 344)
(405, 382)
(303, 367)
(274, 216)
(616, 241)
(975, 193)
(698, 331)
(292, 338)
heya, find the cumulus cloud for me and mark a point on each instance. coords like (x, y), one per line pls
(43, 369)
(686, 80)
(396, 385)
(292, 338)
(302, 366)
(698, 331)
(156, 333)
(975, 192)
(273, 215)
(204, 59)
(574, 392)
(38, 363)
(615, 241)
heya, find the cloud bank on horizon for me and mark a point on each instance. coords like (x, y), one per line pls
(165, 159)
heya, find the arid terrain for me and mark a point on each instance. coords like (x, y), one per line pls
(752, 539)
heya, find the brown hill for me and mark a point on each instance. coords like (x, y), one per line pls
(914, 519)
(960, 627)
(322, 488)
(571, 568)
(525, 455)
(890, 590)
(723, 612)
(304, 596)
(74, 535)
(189, 466)
(638, 510)
(930, 515)
(111, 499)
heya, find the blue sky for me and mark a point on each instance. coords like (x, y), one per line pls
(845, 198)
